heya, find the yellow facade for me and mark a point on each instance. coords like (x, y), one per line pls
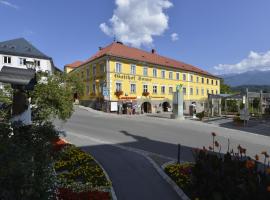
(68, 69)
(110, 72)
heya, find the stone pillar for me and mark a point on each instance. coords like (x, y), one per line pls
(178, 104)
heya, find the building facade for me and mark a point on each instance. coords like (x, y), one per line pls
(144, 81)
(14, 53)
(69, 67)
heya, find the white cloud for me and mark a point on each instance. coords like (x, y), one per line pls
(254, 61)
(135, 22)
(174, 37)
(7, 3)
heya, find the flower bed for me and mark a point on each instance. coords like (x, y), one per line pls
(78, 175)
(213, 176)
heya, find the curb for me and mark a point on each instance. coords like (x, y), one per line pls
(114, 197)
(160, 171)
(107, 176)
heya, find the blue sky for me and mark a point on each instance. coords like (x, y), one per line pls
(222, 36)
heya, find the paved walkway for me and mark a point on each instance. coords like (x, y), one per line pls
(133, 177)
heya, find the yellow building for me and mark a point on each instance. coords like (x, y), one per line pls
(122, 76)
(69, 67)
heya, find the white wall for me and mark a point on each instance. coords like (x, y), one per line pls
(45, 65)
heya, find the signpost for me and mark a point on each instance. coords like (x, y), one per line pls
(105, 92)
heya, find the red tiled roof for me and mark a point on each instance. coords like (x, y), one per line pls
(123, 51)
(74, 64)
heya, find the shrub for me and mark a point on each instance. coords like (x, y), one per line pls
(215, 176)
(25, 163)
(200, 115)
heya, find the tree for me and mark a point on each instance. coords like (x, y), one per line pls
(224, 88)
(53, 96)
(5, 102)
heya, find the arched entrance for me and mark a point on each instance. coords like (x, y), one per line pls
(75, 96)
(146, 107)
(166, 106)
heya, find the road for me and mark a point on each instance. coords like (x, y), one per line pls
(97, 132)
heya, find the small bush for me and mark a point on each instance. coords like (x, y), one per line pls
(200, 115)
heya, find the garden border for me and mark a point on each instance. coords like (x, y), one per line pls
(114, 197)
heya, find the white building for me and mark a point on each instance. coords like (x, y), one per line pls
(14, 53)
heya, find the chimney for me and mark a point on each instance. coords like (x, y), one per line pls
(100, 48)
(153, 51)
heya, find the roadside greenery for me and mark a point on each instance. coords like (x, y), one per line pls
(53, 97)
(25, 162)
(215, 176)
(5, 102)
(78, 174)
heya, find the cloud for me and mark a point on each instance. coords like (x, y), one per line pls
(7, 3)
(28, 32)
(254, 61)
(174, 37)
(135, 22)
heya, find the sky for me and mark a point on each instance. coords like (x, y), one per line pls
(221, 36)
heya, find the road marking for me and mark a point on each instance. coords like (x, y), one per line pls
(145, 154)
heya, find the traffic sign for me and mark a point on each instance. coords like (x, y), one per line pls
(105, 92)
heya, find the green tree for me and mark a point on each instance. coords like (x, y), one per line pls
(5, 100)
(224, 88)
(53, 96)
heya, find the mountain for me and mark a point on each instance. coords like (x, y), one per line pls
(255, 78)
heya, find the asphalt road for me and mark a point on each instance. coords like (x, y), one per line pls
(97, 132)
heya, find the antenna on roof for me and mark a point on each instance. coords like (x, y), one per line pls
(114, 38)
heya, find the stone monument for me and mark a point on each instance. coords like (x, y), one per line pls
(178, 102)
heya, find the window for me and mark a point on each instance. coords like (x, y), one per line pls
(212, 91)
(118, 67)
(216, 91)
(82, 75)
(184, 91)
(133, 69)
(177, 76)
(184, 77)
(163, 74)
(154, 72)
(170, 75)
(197, 91)
(163, 89)
(94, 88)
(191, 78)
(22, 61)
(190, 91)
(37, 63)
(101, 68)
(145, 71)
(94, 70)
(87, 89)
(87, 72)
(202, 92)
(208, 91)
(154, 89)
(170, 90)
(145, 88)
(202, 80)
(132, 88)
(216, 82)
(118, 87)
(197, 79)
(207, 81)
(7, 60)
(212, 82)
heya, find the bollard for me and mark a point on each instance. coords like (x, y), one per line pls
(179, 153)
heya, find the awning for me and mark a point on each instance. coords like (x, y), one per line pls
(17, 76)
